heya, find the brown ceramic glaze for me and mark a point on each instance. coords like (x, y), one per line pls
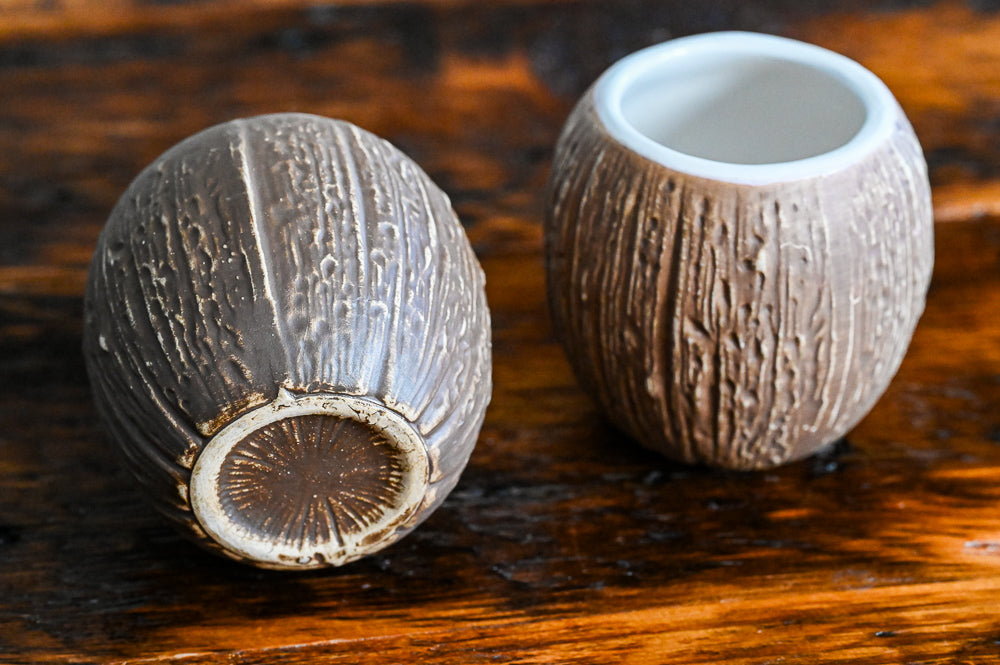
(287, 337)
(738, 324)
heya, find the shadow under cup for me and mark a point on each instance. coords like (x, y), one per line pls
(738, 246)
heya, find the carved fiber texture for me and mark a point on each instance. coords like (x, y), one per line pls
(733, 325)
(336, 481)
(283, 251)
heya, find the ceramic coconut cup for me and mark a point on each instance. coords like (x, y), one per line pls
(287, 335)
(739, 243)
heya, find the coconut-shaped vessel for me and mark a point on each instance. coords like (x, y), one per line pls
(739, 243)
(287, 337)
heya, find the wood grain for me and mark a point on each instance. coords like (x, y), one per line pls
(564, 541)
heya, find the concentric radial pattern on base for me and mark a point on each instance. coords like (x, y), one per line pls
(309, 481)
(339, 478)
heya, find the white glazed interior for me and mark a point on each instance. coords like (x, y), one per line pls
(744, 107)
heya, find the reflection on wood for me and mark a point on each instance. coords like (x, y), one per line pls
(563, 542)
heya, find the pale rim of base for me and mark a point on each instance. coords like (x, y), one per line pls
(880, 106)
(207, 507)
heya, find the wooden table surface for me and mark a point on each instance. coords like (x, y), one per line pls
(564, 542)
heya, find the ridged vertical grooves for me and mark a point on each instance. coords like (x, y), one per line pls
(283, 253)
(732, 325)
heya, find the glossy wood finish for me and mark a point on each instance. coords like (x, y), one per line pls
(563, 542)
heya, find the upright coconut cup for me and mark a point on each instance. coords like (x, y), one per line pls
(739, 243)
(287, 336)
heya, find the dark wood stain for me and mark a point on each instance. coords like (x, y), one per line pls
(563, 542)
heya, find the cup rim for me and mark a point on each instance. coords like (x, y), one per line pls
(876, 98)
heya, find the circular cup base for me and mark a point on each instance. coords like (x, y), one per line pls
(310, 481)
